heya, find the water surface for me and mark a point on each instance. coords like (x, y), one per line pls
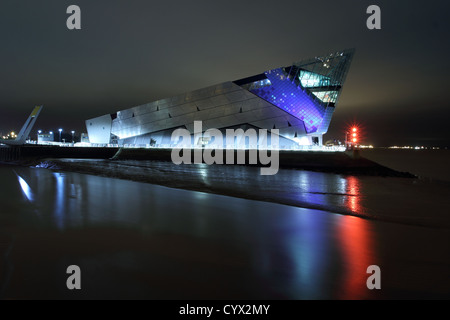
(136, 240)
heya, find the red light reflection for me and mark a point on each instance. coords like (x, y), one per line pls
(353, 194)
(358, 253)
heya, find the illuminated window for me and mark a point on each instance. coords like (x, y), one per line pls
(326, 96)
(310, 80)
(260, 84)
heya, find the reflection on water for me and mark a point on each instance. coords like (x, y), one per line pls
(310, 251)
(353, 194)
(329, 191)
(385, 199)
(277, 251)
(59, 200)
(357, 248)
(25, 188)
(139, 240)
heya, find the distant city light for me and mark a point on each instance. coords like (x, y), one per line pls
(11, 135)
(414, 147)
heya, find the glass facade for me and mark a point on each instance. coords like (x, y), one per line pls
(311, 80)
(306, 89)
(260, 84)
(286, 95)
(326, 96)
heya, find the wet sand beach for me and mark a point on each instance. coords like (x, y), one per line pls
(135, 240)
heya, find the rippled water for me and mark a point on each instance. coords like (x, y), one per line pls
(137, 240)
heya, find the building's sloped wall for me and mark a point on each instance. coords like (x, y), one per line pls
(323, 128)
(164, 139)
(99, 129)
(286, 95)
(221, 106)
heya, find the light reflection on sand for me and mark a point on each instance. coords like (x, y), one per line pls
(355, 238)
(157, 242)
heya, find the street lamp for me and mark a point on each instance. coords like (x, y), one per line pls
(60, 130)
(39, 132)
(73, 132)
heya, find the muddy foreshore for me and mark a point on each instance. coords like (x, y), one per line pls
(347, 163)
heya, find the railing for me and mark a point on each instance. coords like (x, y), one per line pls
(10, 153)
(15, 154)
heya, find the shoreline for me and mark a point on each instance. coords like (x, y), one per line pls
(348, 162)
(142, 166)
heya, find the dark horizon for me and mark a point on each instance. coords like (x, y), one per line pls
(129, 54)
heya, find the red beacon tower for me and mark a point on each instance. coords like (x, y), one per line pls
(351, 138)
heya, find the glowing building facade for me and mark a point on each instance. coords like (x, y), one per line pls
(298, 100)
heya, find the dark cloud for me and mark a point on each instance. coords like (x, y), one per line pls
(132, 52)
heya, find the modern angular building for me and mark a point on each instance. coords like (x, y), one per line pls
(298, 100)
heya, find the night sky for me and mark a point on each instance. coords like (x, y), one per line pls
(133, 52)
